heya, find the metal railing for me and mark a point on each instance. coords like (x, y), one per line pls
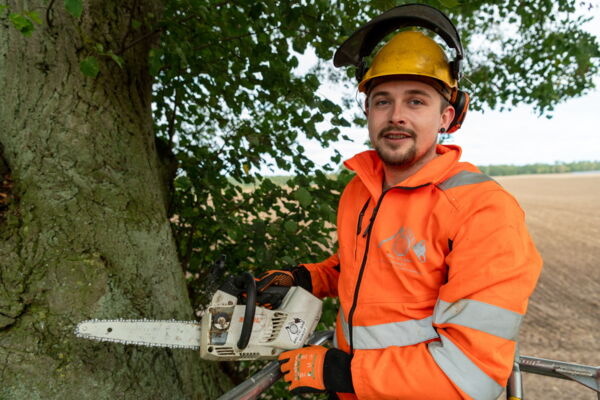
(586, 375)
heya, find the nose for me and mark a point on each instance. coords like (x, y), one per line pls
(397, 114)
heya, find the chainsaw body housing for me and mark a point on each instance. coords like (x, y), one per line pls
(273, 331)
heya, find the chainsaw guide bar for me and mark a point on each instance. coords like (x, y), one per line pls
(144, 332)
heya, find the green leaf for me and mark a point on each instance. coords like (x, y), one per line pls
(34, 17)
(154, 62)
(287, 260)
(383, 4)
(329, 106)
(303, 196)
(118, 59)
(290, 226)
(74, 7)
(179, 51)
(450, 3)
(135, 24)
(89, 66)
(22, 24)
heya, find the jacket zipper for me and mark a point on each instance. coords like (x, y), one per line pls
(362, 270)
(359, 225)
(367, 232)
(360, 217)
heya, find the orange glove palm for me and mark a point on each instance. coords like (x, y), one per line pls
(316, 369)
(303, 369)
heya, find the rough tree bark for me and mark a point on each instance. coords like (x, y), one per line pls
(85, 234)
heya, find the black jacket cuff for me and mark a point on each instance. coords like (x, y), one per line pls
(337, 373)
(302, 277)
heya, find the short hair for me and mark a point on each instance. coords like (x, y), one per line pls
(444, 104)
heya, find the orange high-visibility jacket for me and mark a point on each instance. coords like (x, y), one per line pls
(433, 277)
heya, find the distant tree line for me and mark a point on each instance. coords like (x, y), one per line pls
(558, 167)
(494, 170)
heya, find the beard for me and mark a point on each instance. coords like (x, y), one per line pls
(388, 152)
(397, 159)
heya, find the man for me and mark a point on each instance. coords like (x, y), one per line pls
(435, 264)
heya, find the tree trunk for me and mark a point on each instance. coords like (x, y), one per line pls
(85, 234)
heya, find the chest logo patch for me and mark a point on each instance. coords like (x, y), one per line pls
(400, 244)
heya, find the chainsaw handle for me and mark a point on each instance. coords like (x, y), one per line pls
(249, 284)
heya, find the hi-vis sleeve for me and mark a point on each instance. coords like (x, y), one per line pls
(493, 267)
(324, 276)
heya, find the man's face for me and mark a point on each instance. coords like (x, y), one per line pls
(404, 118)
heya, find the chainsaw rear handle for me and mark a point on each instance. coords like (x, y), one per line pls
(246, 280)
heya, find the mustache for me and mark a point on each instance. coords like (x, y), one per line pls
(391, 128)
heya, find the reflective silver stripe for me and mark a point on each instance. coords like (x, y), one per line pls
(463, 178)
(462, 371)
(478, 315)
(403, 333)
(345, 330)
(343, 326)
(380, 336)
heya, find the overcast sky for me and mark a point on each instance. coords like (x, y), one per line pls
(516, 137)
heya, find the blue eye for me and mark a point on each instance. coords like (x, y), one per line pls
(382, 102)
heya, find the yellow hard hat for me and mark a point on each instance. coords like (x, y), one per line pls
(411, 53)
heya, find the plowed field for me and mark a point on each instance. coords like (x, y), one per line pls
(563, 320)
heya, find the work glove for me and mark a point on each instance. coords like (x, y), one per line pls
(316, 369)
(273, 285)
(275, 277)
(297, 276)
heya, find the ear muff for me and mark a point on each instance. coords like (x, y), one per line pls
(461, 105)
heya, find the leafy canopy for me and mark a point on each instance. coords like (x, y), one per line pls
(229, 100)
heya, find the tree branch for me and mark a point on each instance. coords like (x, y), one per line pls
(155, 31)
(129, 25)
(48, 9)
(139, 40)
(221, 4)
(189, 248)
(171, 127)
(230, 38)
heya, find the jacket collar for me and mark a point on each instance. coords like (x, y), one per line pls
(369, 168)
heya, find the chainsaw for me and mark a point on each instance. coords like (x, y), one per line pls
(228, 330)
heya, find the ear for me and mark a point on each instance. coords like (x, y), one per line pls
(447, 117)
(366, 109)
